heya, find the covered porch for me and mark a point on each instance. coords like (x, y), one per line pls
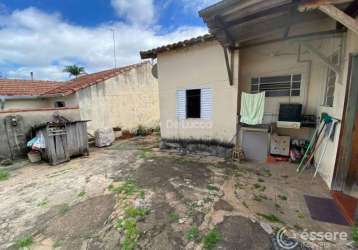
(313, 41)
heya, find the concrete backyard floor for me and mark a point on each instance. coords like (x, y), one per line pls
(133, 195)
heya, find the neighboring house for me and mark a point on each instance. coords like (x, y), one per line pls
(123, 97)
(294, 54)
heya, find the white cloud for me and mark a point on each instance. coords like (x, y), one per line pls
(32, 40)
(139, 12)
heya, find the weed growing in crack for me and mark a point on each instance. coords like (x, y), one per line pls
(128, 188)
(282, 197)
(64, 209)
(270, 217)
(193, 234)
(128, 226)
(131, 233)
(211, 239)
(173, 216)
(134, 212)
(24, 242)
(81, 194)
(4, 175)
(212, 187)
(43, 203)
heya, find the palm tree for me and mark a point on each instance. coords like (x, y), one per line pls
(74, 70)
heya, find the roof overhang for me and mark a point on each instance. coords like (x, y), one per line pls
(236, 23)
(153, 53)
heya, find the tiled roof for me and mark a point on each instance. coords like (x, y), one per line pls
(14, 87)
(89, 80)
(154, 52)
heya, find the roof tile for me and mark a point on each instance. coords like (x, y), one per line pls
(16, 87)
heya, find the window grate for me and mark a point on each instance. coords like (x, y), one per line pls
(274, 86)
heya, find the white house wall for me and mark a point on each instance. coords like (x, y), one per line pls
(199, 66)
(126, 101)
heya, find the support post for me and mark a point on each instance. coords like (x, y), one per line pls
(229, 64)
(327, 7)
(340, 17)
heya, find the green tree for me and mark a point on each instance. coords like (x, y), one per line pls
(74, 70)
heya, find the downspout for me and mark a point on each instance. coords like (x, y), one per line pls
(309, 70)
(2, 105)
(238, 106)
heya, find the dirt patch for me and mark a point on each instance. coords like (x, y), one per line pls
(241, 233)
(80, 222)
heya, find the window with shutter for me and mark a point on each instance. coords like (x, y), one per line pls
(206, 103)
(194, 103)
(181, 104)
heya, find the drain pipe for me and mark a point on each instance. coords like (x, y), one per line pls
(309, 70)
(2, 105)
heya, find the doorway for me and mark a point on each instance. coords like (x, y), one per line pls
(345, 177)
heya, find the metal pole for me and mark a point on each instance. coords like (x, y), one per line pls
(114, 49)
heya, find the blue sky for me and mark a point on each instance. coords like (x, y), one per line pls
(45, 35)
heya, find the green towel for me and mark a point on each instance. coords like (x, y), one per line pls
(252, 108)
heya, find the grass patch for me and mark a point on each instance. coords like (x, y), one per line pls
(128, 188)
(131, 233)
(136, 212)
(24, 242)
(64, 209)
(128, 226)
(300, 215)
(212, 187)
(260, 180)
(270, 217)
(211, 239)
(193, 234)
(4, 175)
(208, 199)
(43, 203)
(173, 216)
(282, 197)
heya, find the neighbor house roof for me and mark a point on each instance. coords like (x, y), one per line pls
(154, 52)
(15, 87)
(88, 80)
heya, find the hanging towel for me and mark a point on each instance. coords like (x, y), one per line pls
(252, 108)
